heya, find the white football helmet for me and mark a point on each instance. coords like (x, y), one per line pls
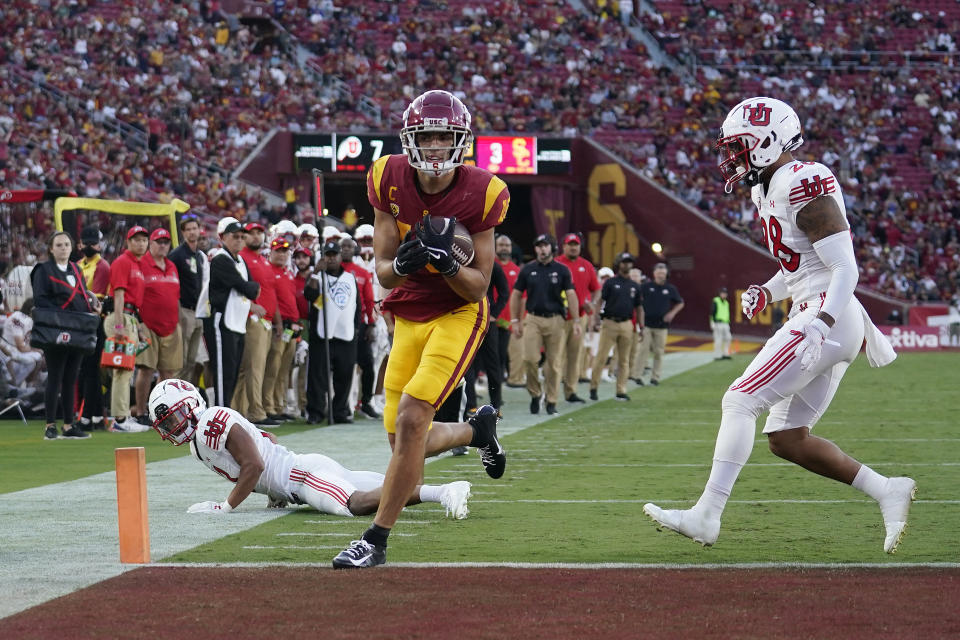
(363, 231)
(436, 111)
(173, 408)
(753, 136)
(308, 229)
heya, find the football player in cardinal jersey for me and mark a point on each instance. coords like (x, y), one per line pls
(229, 444)
(440, 306)
(796, 374)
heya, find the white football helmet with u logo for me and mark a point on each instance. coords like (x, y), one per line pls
(754, 134)
(173, 408)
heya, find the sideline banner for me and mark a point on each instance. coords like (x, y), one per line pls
(912, 337)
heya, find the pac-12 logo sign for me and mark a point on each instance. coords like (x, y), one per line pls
(349, 147)
(758, 115)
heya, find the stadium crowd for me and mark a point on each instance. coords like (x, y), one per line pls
(155, 100)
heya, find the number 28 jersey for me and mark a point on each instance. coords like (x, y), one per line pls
(792, 187)
(209, 445)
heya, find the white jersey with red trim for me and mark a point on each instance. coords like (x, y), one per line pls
(792, 187)
(209, 445)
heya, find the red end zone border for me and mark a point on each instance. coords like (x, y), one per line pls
(495, 602)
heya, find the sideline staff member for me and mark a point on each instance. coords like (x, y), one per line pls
(720, 325)
(661, 303)
(546, 282)
(620, 298)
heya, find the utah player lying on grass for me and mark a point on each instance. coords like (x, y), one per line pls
(230, 445)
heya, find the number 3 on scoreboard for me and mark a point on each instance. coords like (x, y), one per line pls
(496, 153)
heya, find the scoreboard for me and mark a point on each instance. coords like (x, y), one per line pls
(505, 155)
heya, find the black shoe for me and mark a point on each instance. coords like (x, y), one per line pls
(276, 416)
(266, 422)
(367, 409)
(654, 382)
(343, 420)
(584, 380)
(535, 405)
(515, 386)
(458, 451)
(97, 425)
(144, 420)
(574, 398)
(492, 455)
(360, 555)
(726, 358)
(622, 397)
(51, 433)
(287, 417)
(639, 381)
(593, 394)
(551, 408)
(75, 433)
(315, 418)
(84, 424)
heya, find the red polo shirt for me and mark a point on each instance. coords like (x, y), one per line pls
(303, 307)
(510, 270)
(365, 283)
(261, 271)
(286, 293)
(161, 296)
(125, 274)
(584, 278)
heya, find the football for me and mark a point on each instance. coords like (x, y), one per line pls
(462, 244)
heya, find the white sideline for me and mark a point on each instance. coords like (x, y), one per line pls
(589, 566)
(59, 538)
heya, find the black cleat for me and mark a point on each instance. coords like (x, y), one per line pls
(367, 409)
(574, 398)
(551, 408)
(654, 382)
(492, 455)
(535, 405)
(593, 394)
(622, 397)
(360, 555)
(75, 432)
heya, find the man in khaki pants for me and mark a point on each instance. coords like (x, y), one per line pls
(588, 293)
(661, 303)
(620, 300)
(248, 396)
(126, 287)
(546, 283)
(190, 262)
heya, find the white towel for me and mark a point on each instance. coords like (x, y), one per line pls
(880, 352)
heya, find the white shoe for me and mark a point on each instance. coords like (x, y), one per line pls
(687, 522)
(895, 506)
(129, 425)
(454, 499)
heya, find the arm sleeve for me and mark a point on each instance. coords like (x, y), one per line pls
(498, 280)
(777, 286)
(101, 278)
(521, 283)
(225, 274)
(713, 310)
(836, 252)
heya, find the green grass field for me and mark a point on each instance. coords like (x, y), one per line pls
(575, 485)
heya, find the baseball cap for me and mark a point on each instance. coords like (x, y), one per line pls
(571, 237)
(280, 243)
(605, 272)
(543, 238)
(626, 256)
(135, 229)
(722, 290)
(228, 225)
(250, 226)
(91, 235)
(160, 234)
(304, 251)
(331, 247)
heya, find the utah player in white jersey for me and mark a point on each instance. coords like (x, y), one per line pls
(230, 445)
(798, 370)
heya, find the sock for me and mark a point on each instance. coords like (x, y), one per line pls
(84, 421)
(734, 444)
(870, 482)
(430, 493)
(376, 535)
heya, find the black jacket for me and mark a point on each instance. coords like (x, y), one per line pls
(52, 288)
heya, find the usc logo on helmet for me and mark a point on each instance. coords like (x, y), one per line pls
(758, 115)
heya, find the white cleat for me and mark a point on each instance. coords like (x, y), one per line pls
(454, 499)
(686, 522)
(895, 506)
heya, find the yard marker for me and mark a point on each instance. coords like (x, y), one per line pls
(132, 505)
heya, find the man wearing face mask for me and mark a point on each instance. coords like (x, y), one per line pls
(96, 273)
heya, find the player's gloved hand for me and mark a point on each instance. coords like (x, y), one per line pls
(753, 301)
(411, 257)
(811, 347)
(210, 506)
(438, 244)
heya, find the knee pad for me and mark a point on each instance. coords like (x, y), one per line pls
(744, 404)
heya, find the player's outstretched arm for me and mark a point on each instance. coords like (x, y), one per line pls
(245, 452)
